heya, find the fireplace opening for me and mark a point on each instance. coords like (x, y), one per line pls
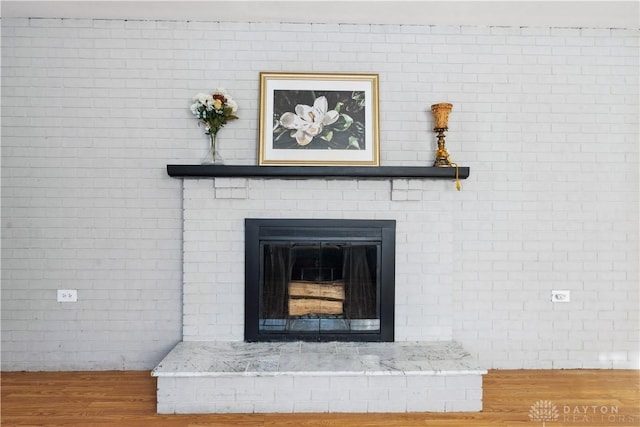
(319, 280)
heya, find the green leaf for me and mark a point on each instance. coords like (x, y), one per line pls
(343, 123)
(327, 136)
(353, 142)
(359, 98)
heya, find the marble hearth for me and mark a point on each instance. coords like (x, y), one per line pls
(238, 377)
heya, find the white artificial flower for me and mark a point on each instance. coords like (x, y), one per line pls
(208, 102)
(201, 98)
(221, 91)
(233, 104)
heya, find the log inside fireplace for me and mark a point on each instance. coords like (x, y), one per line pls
(317, 298)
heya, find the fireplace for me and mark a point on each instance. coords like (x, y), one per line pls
(228, 299)
(319, 280)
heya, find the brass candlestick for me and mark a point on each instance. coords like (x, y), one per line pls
(441, 114)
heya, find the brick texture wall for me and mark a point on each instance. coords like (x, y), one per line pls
(547, 119)
(214, 246)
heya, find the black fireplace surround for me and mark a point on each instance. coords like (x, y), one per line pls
(319, 280)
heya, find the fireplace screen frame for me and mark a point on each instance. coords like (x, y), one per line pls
(379, 232)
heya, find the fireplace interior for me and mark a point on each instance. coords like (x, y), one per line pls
(319, 280)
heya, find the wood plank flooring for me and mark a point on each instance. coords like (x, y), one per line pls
(581, 397)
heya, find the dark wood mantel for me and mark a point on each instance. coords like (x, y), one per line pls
(329, 172)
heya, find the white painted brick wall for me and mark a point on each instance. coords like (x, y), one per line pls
(320, 393)
(214, 247)
(547, 119)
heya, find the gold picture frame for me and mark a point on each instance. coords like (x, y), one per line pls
(319, 119)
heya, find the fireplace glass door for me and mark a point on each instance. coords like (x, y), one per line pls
(319, 280)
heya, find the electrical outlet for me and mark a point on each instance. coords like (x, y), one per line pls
(560, 296)
(67, 295)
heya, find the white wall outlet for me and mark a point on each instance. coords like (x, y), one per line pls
(560, 296)
(67, 295)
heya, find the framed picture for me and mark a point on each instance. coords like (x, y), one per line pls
(319, 119)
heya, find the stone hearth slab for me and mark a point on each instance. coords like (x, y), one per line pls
(225, 377)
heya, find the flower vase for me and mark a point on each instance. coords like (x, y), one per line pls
(213, 154)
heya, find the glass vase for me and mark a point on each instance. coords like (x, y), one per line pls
(213, 157)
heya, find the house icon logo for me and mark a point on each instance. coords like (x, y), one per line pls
(543, 410)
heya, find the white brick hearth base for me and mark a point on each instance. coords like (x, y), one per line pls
(237, 377)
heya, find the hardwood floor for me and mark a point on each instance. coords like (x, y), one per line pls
(581, 398)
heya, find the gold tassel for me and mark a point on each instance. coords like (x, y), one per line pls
(458, 185)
